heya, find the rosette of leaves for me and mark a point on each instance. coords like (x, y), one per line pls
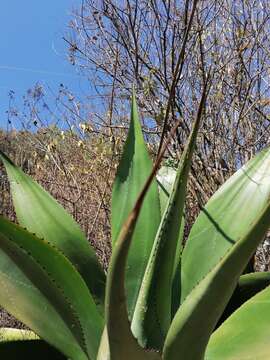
(158, 299)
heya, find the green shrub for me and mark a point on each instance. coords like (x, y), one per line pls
(158, 300)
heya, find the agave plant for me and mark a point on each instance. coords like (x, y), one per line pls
(159, 300)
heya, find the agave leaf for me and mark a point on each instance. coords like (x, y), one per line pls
(247, 286)
(226, 216)
(41, 214)
(24, 344)
(152, 315)
(122, 344)
(134, 168)
(245, 334)
(120, 340)
(165, 178)
(197, 316)
(43, 289)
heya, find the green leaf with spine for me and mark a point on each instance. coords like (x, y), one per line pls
(41, 214)
(134, 168)
(211, 294)
(210, 297)
(24, 344)
(118, 338)
(227, 216)
(153, 312)
(122, 343)
(248, 285)
(165, 178)
(42, 288)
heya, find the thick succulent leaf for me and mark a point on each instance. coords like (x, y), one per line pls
(226, 216)
(197, 316)
(153, 313)
(41, 214)
(247, 286)
(120, 340)
(122, 344)
(244, 335)
(134, 168)
(24, 344)
(42, 288)
(165, 178)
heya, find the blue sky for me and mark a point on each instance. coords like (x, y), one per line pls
(32, 49)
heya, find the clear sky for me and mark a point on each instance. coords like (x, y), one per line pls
(31, 48)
